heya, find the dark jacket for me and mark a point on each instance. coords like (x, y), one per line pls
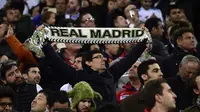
(158, 50)
(134, 103)
(25, 94)
(170, 65)
(182, 90)
(193, 108)
(24, 28)
(6, 50)
(104, 82)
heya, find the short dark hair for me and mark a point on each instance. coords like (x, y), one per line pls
(171, 7)
(143, 68)
(79, 55)
(179, 32)
(27, 66)
(152, 22)
(6, 91)
(61, 97)
(179, 24)
(152, 88)
(88, 57)
(6, 66)
(49, 96)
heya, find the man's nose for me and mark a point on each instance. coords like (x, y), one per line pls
(86, 104)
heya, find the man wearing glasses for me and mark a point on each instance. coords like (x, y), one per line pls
(7, 96)
(87, 20)
(94, 71)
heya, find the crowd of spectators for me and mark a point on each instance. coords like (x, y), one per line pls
(68, 77)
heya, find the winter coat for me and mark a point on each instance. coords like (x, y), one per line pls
(104, 82)
(170, 65)
(182, 90)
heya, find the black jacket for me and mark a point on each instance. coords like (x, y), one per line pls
(158, 50)
(171, 64)
(182, 90)
(104, 82)
(6, 50)
(24, 95)
(133, 103)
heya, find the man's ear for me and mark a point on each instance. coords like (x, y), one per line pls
(25, 76)
(5, 19)
(158, 98)
(178, 41)
(196, 91)
(153, 29)
(88, 63)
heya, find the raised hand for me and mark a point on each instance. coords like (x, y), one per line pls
(10, 32)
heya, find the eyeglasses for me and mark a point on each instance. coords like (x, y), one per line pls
(4, 105)
(98, 57)
(77, 61)
(88, 19)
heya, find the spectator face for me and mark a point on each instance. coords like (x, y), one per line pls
(146, 4)
(120, 22)
(159, 30)
(98, 62)
(5, 104)
(33, 76)
(87, 21)
(111, 5)
(58, 105)
(153, 72)
(61, 6)
(188, 70)
(35, 11)
(167, 99)
(3, 28)
(133, 70)
(52, 19)
(72, 6)
(77, 63)
(13, 76)
(85, 4)
(84, 105)
(175, 15)
(13, 15)
(112, 49)
(39, 104)
(187, 41)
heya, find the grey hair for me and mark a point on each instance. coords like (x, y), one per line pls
(189, 58)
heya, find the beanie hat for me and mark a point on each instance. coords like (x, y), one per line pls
(83, 90)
